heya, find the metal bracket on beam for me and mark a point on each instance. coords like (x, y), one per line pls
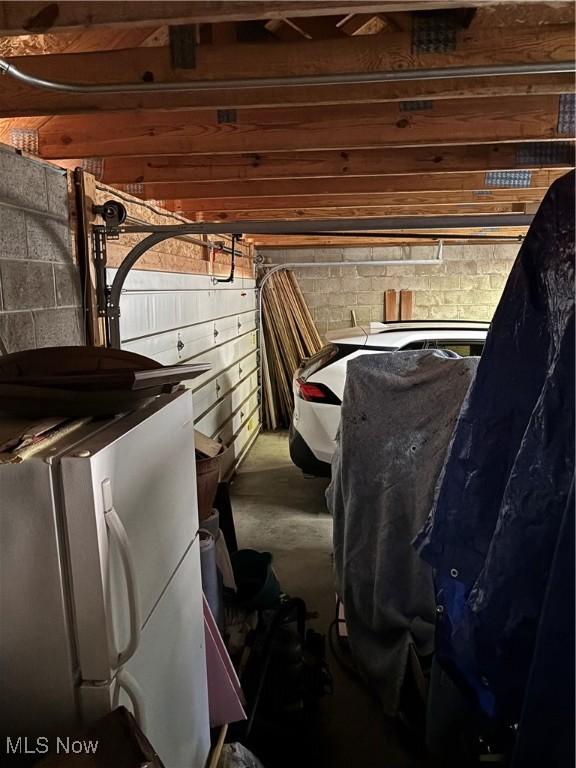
(183, 39)
(543, 153)
(567, 114)
(133, 188)
(93, 165)
(227, 116)
(434, 31)
(508, 179)
(25, 140)
(416, 105)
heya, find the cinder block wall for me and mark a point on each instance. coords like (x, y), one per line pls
(467, 284)
(40, 299)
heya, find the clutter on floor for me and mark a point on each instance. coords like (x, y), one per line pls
(290, 336)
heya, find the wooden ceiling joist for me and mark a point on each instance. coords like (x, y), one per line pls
(341, 166)
(336, 187)
(17, 18)
(321, 57)
(323, 241)
(330, 128)
(310, 214)
(374, 200)
(17, 100)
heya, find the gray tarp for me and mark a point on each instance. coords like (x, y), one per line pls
(398, 415)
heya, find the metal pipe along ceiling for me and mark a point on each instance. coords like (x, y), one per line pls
(297, 80)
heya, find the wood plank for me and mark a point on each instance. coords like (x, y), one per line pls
(345, 164)
(83, 217)
(326, 57)
(362, 24)
(358, 185)
(373, 200)
(521, 13)
(308, 128)
(308, 214)
(17, 99)
(390, 305)
(78, 42)
(262, 242)
(31, 124)
(18, 18)
(406, 304)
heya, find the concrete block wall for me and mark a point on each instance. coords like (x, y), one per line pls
(467, 284)
(40, 297)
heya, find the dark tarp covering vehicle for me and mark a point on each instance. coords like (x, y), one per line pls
(496, 531)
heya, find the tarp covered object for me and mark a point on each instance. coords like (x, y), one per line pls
(398, 414)
(492, 536)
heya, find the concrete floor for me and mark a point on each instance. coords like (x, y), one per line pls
(278, 510)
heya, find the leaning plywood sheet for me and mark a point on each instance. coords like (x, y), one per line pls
(398, 414)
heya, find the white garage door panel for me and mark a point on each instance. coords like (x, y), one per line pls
(235, 423)
(183, 344)
(216, 324)
(223, 409)
(241, 443)
(206, 395)
(150, 313)
(223, 357)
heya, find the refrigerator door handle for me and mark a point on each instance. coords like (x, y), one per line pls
(127, 683)
(118, 533)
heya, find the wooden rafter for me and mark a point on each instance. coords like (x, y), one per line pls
(343, 166)
(351, 213)
(400, 185)
(375, 200)
(315, 241)
(322, 57)
(17, 100)
(330, 128)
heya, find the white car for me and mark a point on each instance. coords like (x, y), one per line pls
(319, 382)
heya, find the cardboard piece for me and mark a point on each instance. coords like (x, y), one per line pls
(205, 446)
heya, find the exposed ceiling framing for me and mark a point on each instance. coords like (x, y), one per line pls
(300, 152)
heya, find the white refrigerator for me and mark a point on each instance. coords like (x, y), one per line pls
(100, 589)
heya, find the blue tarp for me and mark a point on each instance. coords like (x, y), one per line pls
(495, 523)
